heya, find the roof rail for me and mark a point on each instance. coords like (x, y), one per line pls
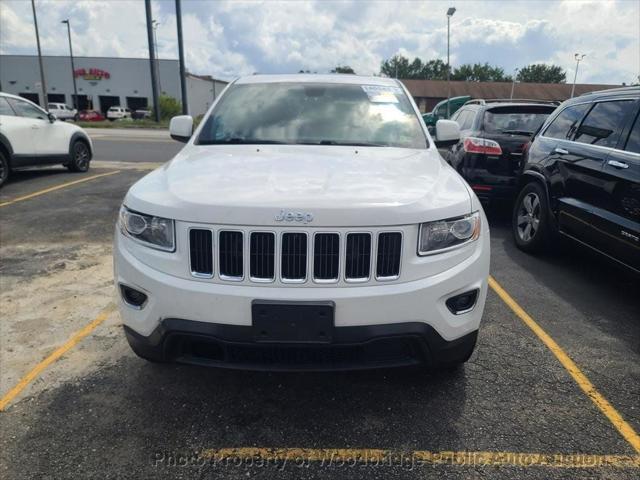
(482, 101)
(614, 90)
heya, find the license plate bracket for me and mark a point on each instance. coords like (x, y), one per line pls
(292, 322)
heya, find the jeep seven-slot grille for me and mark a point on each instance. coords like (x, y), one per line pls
(201, 252)
(294, 256)
(230, 244)
(358, 256)
(326, 256)
(287, 256)
(388, 261)
(262, 254)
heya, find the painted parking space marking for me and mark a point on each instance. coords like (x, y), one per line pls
(338, 457)
(55, 355)
(56, 187)
(627, 432)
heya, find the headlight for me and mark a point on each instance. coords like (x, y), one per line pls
(445, 235)
(156, 232)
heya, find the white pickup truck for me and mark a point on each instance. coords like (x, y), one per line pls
(62, 111)
(309, 223)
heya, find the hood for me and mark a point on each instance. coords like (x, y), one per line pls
(337, 186)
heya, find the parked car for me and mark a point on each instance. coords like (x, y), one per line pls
(30, 136)
(581, 178)
(118, 113)
(62, 111)
(91, 116)
(439, 112)
(319, 231)
(140, 114)
(493, 136)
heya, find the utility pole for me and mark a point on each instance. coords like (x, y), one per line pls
(155, 42)
(154, 84)
(183, 75)
(450, 13)
(73, 69)
(578, 58)
(45, 101)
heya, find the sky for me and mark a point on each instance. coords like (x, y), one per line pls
(229, 38)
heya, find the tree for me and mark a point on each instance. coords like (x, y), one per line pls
(397, 66)
(479, 73)
(401, 67)
(343, 69)
(542, 73)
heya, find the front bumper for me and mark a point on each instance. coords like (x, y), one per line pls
(222, 312)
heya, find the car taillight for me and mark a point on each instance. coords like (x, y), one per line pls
(481, 145)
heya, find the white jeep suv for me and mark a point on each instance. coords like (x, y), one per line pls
(30, 136)
(62, 111)
(308, 223)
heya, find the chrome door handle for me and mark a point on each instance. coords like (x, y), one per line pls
(561, 151)
(617, 164)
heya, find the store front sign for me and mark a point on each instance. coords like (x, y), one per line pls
(92, 74)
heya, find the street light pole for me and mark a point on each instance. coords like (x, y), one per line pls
(513, 85)
(578, 58)
(155, 42)
(73, 69)
(183, 75)
(45, 101)
(450, 13)
(152, 66)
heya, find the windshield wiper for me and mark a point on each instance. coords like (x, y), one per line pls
(344, 144)
(517, 132)
(239, 141)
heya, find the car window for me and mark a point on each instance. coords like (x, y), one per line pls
(604, 122)
(633, 142)
(455, 116)
(314, 114)
(5, 108)
(523, 120)
(25, 109)
(466, 121)
(565, 124)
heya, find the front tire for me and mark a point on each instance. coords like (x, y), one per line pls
(530, 223)
(4, 168)
(80, 157)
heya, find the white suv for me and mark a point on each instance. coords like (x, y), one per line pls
(118, 113)
(62, 111)
(308, 223)
(30, 136)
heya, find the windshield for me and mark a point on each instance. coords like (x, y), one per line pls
(517, 120)
(314, 114)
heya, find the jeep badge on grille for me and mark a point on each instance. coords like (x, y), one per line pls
(291, 216)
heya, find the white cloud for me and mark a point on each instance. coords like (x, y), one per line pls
(228, 38)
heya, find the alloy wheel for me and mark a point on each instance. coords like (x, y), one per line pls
(528, 220)
(82, 156)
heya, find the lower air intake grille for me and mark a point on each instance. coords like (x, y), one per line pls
(388, 261)
(294, 256)
(326, 256)
(358, 256)
(230, 246)
(201, 252)
(262, 250)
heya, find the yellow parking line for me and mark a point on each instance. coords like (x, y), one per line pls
(583, 382)
(57, 187)
(59, 352)
(339, 457)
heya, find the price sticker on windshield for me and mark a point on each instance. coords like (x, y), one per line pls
(381, 94)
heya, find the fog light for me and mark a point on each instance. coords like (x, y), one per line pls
(132, 297)
(462, 303)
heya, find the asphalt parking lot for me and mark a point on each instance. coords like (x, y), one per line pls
(553, 390)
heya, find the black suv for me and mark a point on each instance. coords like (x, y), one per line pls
(493, 136)
(581, 177)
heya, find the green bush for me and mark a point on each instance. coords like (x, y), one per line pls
(169, 107)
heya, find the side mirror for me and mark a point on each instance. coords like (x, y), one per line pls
(51, 117)
(447, 133)
(181, 128)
